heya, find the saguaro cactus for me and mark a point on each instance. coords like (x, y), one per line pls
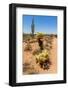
(32, 27)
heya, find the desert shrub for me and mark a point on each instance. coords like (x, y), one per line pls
(29, 69)
(26, 66)
(28, 47)
(33, 40)
(26, 36)
(32, 70)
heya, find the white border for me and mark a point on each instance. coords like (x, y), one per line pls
(41, 77)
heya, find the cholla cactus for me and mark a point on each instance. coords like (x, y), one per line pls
(43, 60)
(39, 34)
(42, 56)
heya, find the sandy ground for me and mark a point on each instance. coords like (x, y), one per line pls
(30, 62)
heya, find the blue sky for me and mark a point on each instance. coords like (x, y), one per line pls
(45, 24)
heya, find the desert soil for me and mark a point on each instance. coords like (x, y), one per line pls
(29, 62)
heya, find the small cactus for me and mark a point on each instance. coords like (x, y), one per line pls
(43, 60)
